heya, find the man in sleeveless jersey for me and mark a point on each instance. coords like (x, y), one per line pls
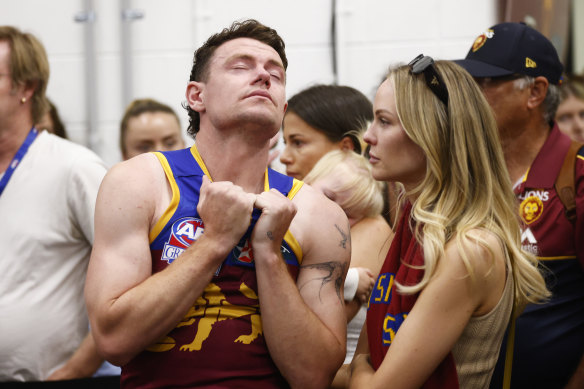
(209, 269)
(519, 71)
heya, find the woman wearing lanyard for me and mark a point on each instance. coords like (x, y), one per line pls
(48, 187)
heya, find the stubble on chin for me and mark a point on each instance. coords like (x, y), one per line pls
(262, 121)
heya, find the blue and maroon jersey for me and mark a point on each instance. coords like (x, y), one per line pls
(219, 342)
(549, 338)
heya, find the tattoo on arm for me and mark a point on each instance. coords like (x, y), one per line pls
(333, 271)
(345, 236)
(270, 235)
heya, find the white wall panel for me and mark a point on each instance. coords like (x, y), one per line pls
(166, 26)
(376, 33)
(308, 66)
(466, 18)
(51, 21)
(380, 21)
(110, 144)
(299, 22)
(66, 86)
(107, 26)
(169, 89)
(108, 87)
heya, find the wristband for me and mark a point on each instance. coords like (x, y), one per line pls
(351, 284)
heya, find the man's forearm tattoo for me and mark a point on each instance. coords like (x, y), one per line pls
(270, 235)
(333, 272)
(344, 235)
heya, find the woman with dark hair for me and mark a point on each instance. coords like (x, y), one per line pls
(320, 119)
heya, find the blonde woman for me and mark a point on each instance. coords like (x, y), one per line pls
(455, 269)
(345, 177)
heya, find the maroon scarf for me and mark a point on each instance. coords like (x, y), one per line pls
(388, 308)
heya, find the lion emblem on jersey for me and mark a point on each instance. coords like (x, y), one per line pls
(531, 209)
(209, 309)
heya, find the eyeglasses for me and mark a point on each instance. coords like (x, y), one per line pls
(425, 64)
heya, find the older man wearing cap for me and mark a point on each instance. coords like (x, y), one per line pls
(519, 71)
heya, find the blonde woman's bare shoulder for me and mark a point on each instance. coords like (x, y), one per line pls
(479, 258)
(372, 225)
(370, 241)
(479, 248)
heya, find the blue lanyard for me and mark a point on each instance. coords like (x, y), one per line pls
(17, 158)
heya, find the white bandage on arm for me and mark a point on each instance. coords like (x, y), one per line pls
(351, 284)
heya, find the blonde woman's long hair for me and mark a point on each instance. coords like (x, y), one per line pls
(466, 185)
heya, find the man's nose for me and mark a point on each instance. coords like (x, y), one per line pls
(264, 77)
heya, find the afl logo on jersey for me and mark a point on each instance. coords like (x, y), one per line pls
(531, 209)
(183, 233)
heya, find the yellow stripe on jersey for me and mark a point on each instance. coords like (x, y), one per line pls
(294, 246)
(266, 181)
(173, 203)
(199, 160)
(289, 238)
(296, 185)
(560, 258)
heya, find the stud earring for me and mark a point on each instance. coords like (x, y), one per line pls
(23, 100)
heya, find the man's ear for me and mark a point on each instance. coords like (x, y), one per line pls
(538, 92)
(195, 96)
(347, 144)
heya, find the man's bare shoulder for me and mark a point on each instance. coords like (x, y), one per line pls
(313, 203)
(140, 181)
(320, 223)
(137, 171)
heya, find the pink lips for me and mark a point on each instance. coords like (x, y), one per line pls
(260, 93)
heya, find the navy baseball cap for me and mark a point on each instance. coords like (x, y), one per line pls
(513, 48)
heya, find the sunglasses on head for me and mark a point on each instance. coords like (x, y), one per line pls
(425, 64)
